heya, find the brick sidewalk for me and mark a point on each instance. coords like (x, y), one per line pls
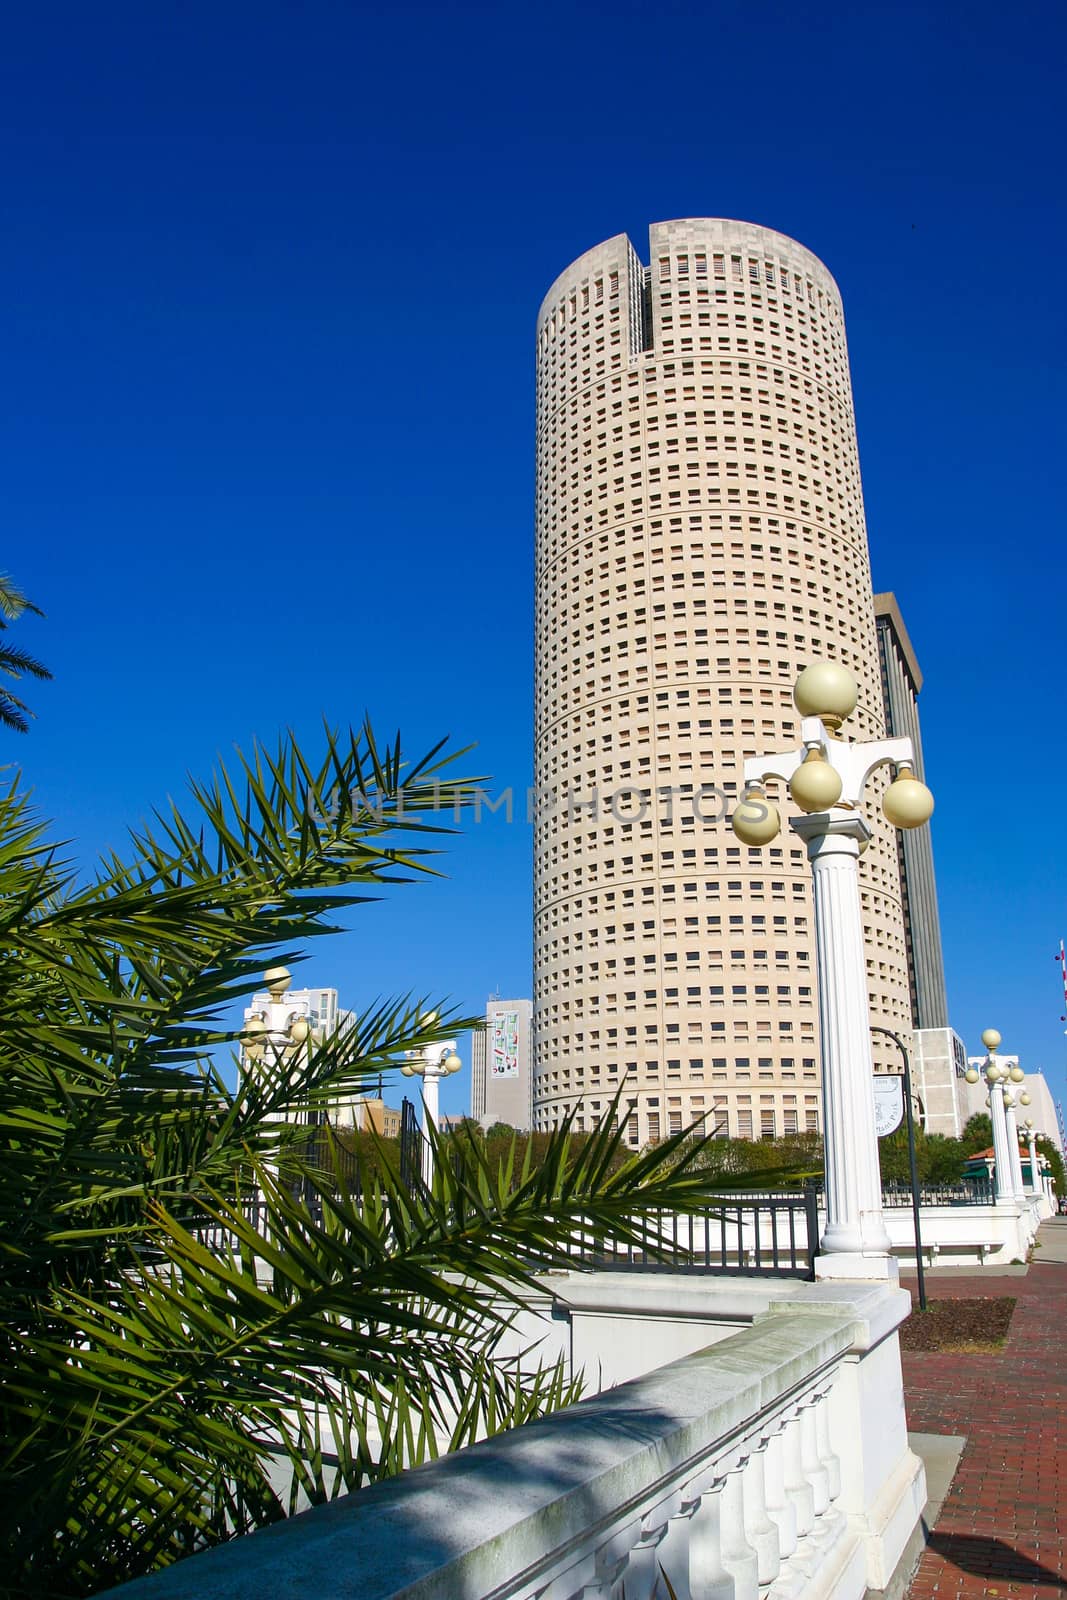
(1000, 1531)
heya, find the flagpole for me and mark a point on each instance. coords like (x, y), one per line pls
(1062, 959)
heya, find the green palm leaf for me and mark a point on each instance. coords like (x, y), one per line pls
(204, 1324)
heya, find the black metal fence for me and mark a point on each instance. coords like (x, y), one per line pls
(410, 1146)
(751, 1235)
(748, 1235)
(938, 1194)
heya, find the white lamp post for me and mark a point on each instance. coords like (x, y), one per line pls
(280, 1032)
(1011, 1118)
(826, 778)
(278, 1037)
(1007, 1169)
(1031, 1139)
(431, 1064)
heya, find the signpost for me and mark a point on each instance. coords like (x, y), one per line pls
(888, 1104)
(883, 1110)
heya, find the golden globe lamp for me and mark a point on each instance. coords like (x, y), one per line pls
(907, 803)
(254, 1036)
(756, 820)
(815, 786)
(827, 691)
(277, 980)
(1017, 1074)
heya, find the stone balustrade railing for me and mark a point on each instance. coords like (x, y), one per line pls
(768, 1467)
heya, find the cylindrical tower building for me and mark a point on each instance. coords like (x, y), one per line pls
(700, 539)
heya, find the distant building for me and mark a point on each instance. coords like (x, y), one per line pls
(371, 1116)
(901, 683)
(938, 1063)
(501, 1066)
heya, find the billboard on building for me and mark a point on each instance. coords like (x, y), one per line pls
(504, 1045)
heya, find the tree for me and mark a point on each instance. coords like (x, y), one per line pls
(1055, 1162)
(160, 1335)
(15, 662)
(945, 1159)
(938, 1159)
(893, 1159)
(977, 1133)
(776, 1163)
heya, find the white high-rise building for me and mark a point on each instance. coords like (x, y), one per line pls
(700, 539)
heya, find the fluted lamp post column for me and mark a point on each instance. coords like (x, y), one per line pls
(1011, 1117)
(1007, 1166)
(826, 777)
(1031, 1140)
(431, 1064)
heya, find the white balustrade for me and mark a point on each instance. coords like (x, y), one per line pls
(718, 1473)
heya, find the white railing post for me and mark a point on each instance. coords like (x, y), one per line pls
(708, 1577)
(813, 1469)
(826, 1453)
(780, 1507)
(797, 1487)
(611, 1561)
(642, 1568)
(722, 1563)
(738, 1556)
(760, 1531)
(674, 1550)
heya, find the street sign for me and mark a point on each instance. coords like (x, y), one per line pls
(888, 1103)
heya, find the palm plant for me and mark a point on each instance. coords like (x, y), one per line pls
(179, 1365)
(15, 662)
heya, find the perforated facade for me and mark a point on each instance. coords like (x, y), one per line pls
(700, 538)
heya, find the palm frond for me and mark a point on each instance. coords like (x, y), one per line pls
(197, 1300)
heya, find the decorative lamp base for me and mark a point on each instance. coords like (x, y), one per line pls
(850, 1264)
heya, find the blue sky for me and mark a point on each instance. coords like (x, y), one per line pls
(269, 278)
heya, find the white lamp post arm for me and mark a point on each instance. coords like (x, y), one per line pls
(853, 763)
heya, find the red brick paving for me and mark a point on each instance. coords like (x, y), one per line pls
(1000, 1531)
